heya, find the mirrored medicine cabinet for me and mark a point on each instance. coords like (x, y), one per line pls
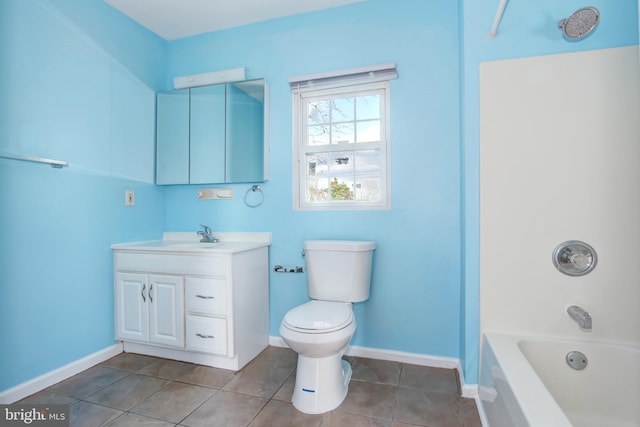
(212, 134)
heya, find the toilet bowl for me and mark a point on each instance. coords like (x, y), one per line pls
(319, 331)
(338, 274)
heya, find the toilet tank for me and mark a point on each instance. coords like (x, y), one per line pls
(339, 270)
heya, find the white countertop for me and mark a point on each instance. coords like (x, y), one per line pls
(230, 242)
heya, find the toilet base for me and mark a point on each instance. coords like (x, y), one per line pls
(321, 383)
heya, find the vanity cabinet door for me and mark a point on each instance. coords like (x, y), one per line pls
(150, 308)
(166, 310)
(132, 310)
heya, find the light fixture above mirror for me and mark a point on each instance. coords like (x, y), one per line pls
(211, 78)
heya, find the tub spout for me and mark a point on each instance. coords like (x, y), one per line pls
(580, 316)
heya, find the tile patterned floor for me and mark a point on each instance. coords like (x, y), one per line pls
(134, 390)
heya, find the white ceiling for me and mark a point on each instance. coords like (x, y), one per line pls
(174, 19)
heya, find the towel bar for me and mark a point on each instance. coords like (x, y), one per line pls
(54, 163)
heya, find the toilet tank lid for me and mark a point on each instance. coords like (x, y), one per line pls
(339, 245)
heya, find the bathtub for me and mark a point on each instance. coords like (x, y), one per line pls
(526, 381)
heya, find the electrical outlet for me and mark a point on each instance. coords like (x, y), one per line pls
(129, 198)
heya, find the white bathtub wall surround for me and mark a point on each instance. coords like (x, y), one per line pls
(526, 381)
(560, 160)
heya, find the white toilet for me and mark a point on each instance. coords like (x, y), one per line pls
(338, 274)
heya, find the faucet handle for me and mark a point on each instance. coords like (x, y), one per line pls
(207, 230)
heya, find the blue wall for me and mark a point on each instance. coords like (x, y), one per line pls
(78, 81)
(69, 95)
(415, 298)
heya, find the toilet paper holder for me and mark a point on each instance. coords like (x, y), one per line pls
(281, 269)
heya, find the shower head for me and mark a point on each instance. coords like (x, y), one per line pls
(579, 24)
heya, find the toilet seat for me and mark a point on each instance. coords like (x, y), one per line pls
(319, 317)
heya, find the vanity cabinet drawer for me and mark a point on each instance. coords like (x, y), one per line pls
(207, 334)
(210, 265)
(206, 295)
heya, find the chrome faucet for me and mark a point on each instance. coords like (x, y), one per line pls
(580, 316)
(206, 235)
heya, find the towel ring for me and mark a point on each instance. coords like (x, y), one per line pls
(253, 189)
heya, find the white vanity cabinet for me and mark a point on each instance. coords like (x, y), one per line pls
(200, 304)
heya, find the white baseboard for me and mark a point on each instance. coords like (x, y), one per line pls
(46, 380)
(50, 378)
(467, 390)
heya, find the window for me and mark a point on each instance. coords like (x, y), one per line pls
(341, 145)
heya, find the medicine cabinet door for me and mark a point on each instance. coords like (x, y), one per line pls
(172, 138)
(245, 118)
(207, 150)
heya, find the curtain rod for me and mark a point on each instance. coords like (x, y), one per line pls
(498, 18)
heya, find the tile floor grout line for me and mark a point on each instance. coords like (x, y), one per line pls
(198, 407)
(258, 413)
(378, 383)
(397, 393)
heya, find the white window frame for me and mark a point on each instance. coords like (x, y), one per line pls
(300, 148)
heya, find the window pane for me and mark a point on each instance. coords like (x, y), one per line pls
(367, 188)
(318, 112)
(367, 162)
(341, 163)
(369, 131)
(318, 135)
(317, 164)
(368, 107)
(317, 190)
(342, 110)
(342, 189)
(342, 133)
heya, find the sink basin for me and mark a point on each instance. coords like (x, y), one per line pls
(230, 242)
(158, 243)
(180, 244)
(197, 245)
